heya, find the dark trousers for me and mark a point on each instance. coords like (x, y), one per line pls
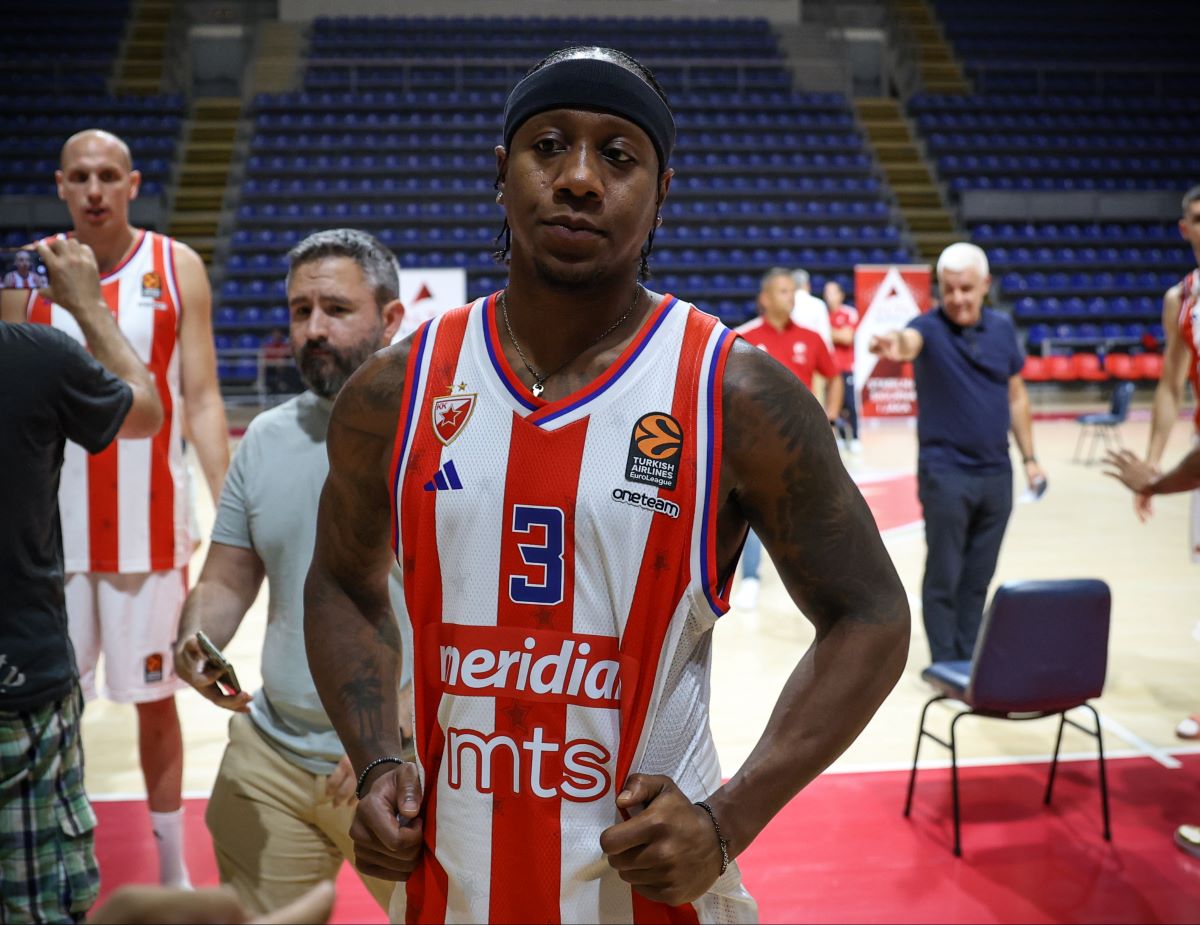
(965, 518)
(849, 415)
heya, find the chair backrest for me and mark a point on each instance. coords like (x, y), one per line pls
(1043, 647)
(1122, 396)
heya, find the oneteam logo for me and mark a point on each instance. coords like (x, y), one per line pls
(645, 501)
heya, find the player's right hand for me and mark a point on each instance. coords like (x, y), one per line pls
(192, 666)
(387, 831)
(74, 275)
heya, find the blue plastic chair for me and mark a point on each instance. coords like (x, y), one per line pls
(1042, 650)
(1104, 425)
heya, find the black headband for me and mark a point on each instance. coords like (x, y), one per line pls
(594, 84)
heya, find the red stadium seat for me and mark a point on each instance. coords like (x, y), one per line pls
(1060, 368)
(1087, 367)
(1119, 366)
(1035, 369)
(1148, 366)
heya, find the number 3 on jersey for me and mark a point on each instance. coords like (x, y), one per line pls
(542, 555)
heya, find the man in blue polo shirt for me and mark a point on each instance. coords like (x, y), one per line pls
(967, 366)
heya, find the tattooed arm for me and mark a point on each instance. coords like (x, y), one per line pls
(782, 475)
(350, 632)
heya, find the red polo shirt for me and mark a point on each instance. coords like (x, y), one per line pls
(801, 350)
(844, 317)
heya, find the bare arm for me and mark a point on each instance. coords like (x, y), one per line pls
(203, 407)
(228, 585)
(12, 305)
(1168, 395)
(835, 396)
(1022, 427)
(1143, 479)
(351, 634)
(783, 476)
(75, 285)
(901, 346)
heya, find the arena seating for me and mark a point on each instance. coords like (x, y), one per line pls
(402, 146)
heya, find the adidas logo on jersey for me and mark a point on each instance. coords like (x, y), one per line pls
(445, 479)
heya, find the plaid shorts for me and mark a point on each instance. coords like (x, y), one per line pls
(47, 857)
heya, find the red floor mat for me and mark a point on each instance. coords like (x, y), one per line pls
(842, 852)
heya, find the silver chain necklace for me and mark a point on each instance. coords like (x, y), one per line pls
(539, 380)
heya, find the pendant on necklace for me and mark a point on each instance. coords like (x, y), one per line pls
(538, 389)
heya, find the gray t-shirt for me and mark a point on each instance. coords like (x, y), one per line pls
(269, 504)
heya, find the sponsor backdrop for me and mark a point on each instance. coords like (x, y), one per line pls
(888, 298)
(426, 293)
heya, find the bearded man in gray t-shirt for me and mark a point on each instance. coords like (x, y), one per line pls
(283, 802)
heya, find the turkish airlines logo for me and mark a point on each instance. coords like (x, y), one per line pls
(654, 449)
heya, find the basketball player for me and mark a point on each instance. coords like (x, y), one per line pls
(567, 470)
(1181, 364)
(282, 803)
(125, 511)
(23, 275)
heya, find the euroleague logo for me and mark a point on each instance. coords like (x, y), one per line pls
(654, 450)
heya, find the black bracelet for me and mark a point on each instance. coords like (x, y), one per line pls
(1029, 459)
(724, 845)
(362, 778)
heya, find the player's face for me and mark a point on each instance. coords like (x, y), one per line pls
(963, 292)
(582, 191)
(834, 297)
(779, 295)
(97, 184)
(335, 322)
(22, 263)
(1189, 226)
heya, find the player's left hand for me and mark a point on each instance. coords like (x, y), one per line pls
(668, 851)
(341, 783)
(1034, 474)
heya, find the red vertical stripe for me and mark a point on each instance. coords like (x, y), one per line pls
(543, 471)
(162, 481)
(103, 510)
(654, 601)
(427, 888)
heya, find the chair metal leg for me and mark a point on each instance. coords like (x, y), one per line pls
(1062, 721)
(1078, 442)
(954, 784)
(912, 777)
(1103, 776)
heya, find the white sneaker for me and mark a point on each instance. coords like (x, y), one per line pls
(856, 446)
(747, 595)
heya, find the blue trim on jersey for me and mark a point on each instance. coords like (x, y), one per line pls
(421, 339)
(710, 390)
(491, 351)
(583, 400)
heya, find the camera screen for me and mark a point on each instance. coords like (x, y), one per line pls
(21, 268)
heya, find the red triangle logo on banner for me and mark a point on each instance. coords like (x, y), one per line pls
(423, 294)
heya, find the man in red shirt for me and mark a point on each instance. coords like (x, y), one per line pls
(843, 319)
(801, 350)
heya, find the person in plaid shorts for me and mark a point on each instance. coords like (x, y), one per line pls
(54, 391)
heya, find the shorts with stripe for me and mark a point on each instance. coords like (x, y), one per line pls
(133, 618)
(47, 858)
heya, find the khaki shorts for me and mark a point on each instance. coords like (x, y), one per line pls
(133, 619)
(275, 832)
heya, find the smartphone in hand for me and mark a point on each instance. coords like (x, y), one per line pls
(22, 268)
(227, 679)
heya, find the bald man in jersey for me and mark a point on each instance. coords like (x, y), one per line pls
(126, 538)
(566, 471)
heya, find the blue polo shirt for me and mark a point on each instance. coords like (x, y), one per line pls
(962, 378)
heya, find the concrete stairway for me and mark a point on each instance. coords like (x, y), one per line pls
(910, 178)
(204, 172)
(940, 70)
(140, 67)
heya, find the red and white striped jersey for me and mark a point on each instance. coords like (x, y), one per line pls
(560, 574)
(1189, 330)
(126, 509)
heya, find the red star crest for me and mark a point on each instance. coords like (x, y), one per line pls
(450, 415)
